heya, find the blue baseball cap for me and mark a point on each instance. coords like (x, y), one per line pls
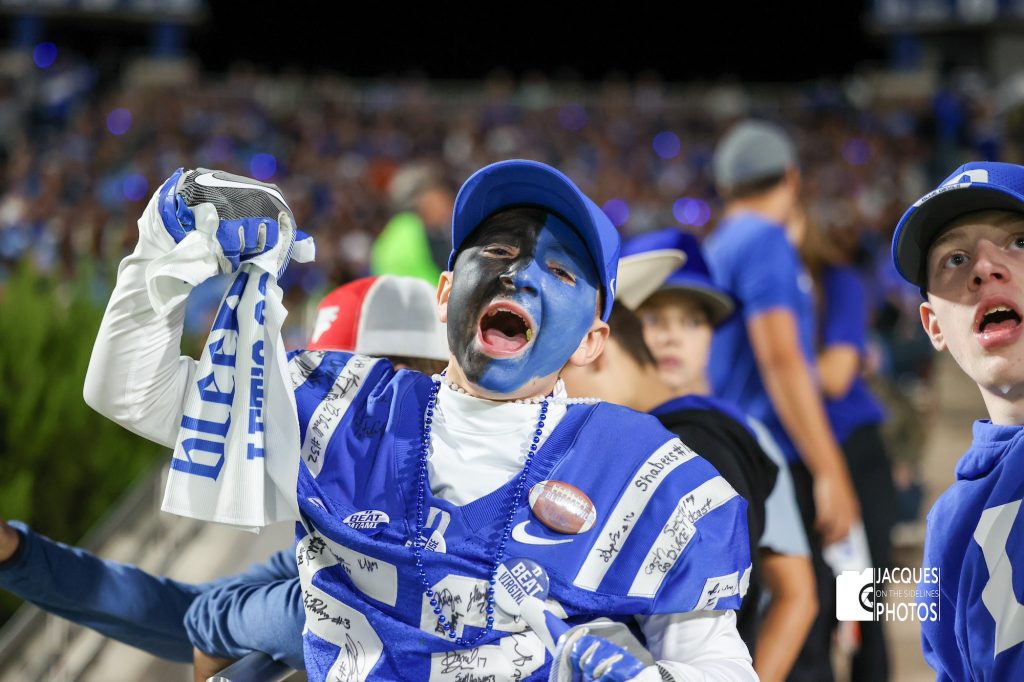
(976, 186)
(520, 182)
(693, 278)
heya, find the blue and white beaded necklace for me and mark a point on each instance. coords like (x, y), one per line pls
(418, 541)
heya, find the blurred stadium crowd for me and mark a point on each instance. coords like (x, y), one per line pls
(82, 153)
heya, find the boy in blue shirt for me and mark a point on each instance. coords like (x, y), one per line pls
(963, 245)
(762, 357)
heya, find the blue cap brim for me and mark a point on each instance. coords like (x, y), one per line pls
(924, 221)
(718, 303)
(529, 183)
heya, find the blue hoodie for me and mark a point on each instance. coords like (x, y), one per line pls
(975, 540)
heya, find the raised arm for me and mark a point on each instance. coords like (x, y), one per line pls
(137, 376)
(211, 221)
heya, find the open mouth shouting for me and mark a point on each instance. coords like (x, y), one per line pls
(997, 322)
(505, 329)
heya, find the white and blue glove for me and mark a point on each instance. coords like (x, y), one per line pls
(202, 223)
(249, 214)
(589, 657)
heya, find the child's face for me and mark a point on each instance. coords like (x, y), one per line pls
(521, 301)
(976, 295)
(678, 332)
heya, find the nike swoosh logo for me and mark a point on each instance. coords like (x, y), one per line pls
(211, 180)
(519, 534)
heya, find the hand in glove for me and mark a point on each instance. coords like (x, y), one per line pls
(595, 658)
(248, 213)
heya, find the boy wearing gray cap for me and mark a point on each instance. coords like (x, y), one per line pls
(963, 245)
(762, 357)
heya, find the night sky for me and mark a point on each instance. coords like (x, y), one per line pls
(750, 41)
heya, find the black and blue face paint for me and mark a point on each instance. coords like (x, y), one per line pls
(524, 294)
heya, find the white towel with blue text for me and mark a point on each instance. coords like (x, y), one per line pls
(235, 457)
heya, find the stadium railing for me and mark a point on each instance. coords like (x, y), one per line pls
(35, 645)
(257, 667)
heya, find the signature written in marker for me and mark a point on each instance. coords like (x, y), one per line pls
(521, 658)
(615, 537)
(656, 468)
(679, 531)
(352, 667)
(512, 658)
(694, 511)
(462, 660)
(315, 606)
(313, 549)
(364, 427)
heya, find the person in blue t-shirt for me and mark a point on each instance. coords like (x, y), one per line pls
(963, 245)
(853, 412)
(762, 358)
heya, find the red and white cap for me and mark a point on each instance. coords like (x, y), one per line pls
(385, 315)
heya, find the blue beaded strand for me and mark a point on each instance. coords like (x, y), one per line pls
(421, 522)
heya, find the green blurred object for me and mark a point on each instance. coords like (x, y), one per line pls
(61, 463)
(403, 248)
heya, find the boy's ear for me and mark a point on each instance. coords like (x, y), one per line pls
(930, 322)
(444, 290)
(592, 345)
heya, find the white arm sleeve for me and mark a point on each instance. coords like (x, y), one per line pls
(137, 376)
(698, 646)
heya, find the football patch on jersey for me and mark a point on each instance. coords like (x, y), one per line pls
(562, 507)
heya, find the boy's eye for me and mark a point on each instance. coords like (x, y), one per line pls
(562, 274)
(954, 260)
(1018, 242)
(499, 251)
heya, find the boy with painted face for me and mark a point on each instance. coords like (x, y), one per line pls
(520, 303)
(963, 245)
(490, 464)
